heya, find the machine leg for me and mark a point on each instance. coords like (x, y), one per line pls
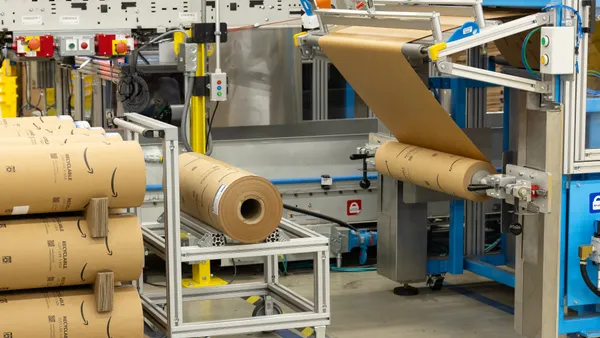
(320, 331)
(406, 290)
(435, 282)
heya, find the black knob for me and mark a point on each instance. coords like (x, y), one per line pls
(365, 184)
(516, 229)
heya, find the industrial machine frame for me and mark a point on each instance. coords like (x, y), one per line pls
(170, 320)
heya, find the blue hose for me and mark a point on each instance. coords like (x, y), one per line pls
(335, 268)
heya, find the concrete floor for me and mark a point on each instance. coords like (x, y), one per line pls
(364, 306)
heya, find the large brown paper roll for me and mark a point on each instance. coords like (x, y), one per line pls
(447, 173)
(42, 122)
(50, 252)
(246, 207)
(70, 313)
(60, 139)
(63, 178)
(12, 131)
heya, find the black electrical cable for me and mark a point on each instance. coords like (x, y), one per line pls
(212, 120)
(234, 271)
(28, 104)
(586, 277)
(134, 93)
(321, 216)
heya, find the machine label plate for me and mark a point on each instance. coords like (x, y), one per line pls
(595, 203)
(69, 20)
(31, 20)
(217, 199)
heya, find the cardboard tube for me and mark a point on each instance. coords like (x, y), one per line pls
(447, 173)
(51, 252)
(70, 313)
(42, 122)
(88, 131)
(246, 207)
(60, 139)
(61, 178)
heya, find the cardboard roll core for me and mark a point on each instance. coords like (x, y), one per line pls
(252, 210)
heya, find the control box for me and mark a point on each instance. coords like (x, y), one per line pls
(77, 46)
(557, 52)
(218, 87)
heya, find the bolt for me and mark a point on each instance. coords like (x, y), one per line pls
(521, 174)
(203, 262)
(261, 7)
(578, 185)
(42, 9)
(190, 284)
(266, 19)
(542, 87)
(271, 7)
(544, 19)
(531, 176)
(203, 277)
(137, 11)
(576, 302)
(2, 14)
(443, 67)
(31, 9)
(310, 205)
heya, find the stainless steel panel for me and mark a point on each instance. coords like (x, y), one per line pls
(265, 81)
(402, 229)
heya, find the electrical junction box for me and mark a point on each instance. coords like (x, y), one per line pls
(557, 52)
(77, 45)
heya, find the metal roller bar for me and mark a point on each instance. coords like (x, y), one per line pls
(154, 314)
(130, 126)
(257, 324)
(476, 4)
(292, 298)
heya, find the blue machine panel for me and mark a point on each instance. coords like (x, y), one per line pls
(582, 216)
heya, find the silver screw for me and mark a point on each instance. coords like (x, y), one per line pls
(521, 174)
(575, 302)
(531, 176)
(578, 185)
(2, 14)
(31, 9)
(190, 284)
(203, 277)
(271, 7)
(137, 11)
(310, 205)
(266, 19)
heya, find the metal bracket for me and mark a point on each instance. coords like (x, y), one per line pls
(211, 240)
(500, 79)
(201, 86)
(205, 32)
(277, 236)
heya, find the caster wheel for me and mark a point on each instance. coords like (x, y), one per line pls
(260, 310)
(406, 291)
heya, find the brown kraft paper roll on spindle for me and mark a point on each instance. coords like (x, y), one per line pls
(41, 122)
(246, 207)
(65, 177)
(447, 173)
(60, 139)
(51, 252)
(70, 313)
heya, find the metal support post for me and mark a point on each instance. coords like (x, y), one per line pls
(58, 90)
(320, 88)
(476, 110)
(172, 231)
(77, 95)
(98, 118)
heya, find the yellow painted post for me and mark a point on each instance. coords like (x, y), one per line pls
(8, 91)
(198, 115)
(201, 274)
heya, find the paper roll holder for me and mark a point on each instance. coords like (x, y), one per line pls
(96, 215)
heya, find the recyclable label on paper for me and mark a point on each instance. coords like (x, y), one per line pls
(217, 199)
(69, 20)
(595, 203)
(188, 16)
(32, 20)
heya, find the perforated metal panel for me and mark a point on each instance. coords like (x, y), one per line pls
(103, 15)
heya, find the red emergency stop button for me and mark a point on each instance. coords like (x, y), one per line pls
(84, 45)
(121, 47)
(34, 44)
